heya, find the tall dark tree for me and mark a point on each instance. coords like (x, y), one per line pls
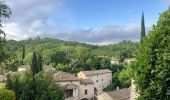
(34, 64)
(40, 61)
(23, 54)
(142, 27)
(9, 83)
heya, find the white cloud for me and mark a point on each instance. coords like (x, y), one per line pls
(13, 31)
(30, 19)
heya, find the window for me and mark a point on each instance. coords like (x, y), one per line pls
(96, 81)
(69, 93)
(85, 92)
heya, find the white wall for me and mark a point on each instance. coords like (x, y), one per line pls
(103, 80)
(90, 91)
(20, 69)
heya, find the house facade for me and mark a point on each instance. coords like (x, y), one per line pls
(69, 83)
(101, 78)
(85, 86)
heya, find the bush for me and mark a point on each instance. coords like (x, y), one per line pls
(7, 94)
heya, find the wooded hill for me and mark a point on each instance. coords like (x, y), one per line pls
(65, 53)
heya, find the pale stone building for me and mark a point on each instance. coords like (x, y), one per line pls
(23, 68)
(86, 89)
(114, 61)
(85, 86)
(129, 60)
(101, 78)
(69, 83)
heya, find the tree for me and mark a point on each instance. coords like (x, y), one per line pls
(5, 12)
(152, 66)
(142, 27)
(7, 94)
(23, 54)
(9, 84)
(40, 63)
(34, 64)
(37, 87)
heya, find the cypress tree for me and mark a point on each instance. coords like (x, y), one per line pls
(142, 27)
(9, 83)
(34, 63)
(23, 54)
(39, 63)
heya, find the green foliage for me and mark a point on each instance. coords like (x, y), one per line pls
(37, 87)
(5, 12)
(110, 88)
(53, 50)
(151, 70)
(23, 54)
(39, 62)
(124, 77)
(34, 64)
(7, 94)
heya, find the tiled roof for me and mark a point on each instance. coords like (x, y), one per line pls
(86, 81)
(123, 94)
(69, 86)
(63, 76)
(96, 72)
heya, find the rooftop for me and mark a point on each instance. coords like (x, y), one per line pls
(96, 72)
(123, 94)
(63, 76)
(69, 86)
(86, 81)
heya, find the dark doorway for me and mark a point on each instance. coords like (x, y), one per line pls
(95, 91)
(84, 99)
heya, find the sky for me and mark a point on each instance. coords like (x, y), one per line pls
(88, 21)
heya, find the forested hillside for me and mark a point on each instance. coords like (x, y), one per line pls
(62, 54)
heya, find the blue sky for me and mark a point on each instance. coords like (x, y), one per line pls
(97, 13)
(89, 21)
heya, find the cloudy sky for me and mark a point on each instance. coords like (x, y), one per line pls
(89, 21)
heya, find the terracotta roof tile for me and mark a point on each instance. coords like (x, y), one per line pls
(63, 76)
(96, 72)
(69, 86)
(86, 81)
(123, 94)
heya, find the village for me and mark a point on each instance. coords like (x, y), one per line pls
(86, 85)
(84, 50)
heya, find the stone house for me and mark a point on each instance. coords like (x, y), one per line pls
(101, 78)
(69, 83)
(23, 68)
(114, 61)
(129, 60)
(85, 86)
